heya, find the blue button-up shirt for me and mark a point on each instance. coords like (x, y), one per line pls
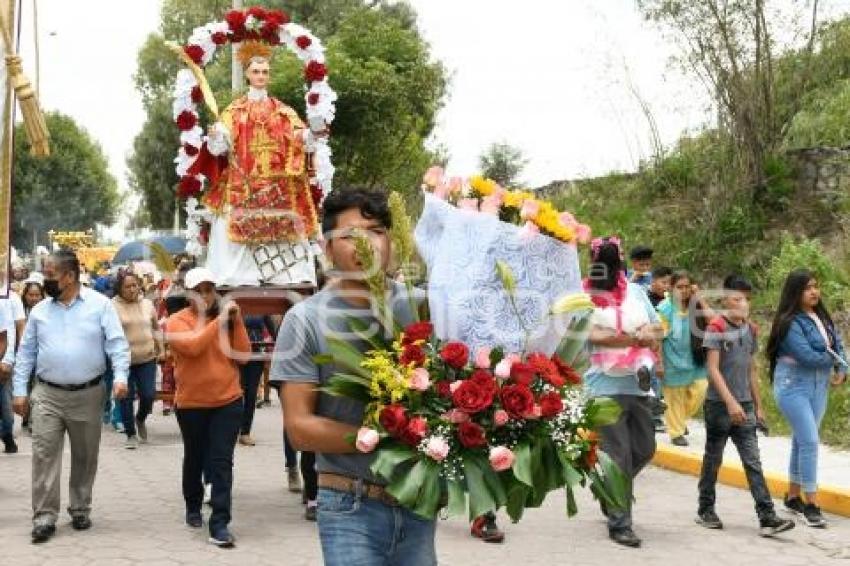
(68, 345)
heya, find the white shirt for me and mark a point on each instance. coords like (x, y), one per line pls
(11, 311)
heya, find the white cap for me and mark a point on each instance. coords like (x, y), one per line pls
(198, 275)
(35, 277)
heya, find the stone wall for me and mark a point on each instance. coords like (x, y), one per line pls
(823, 172)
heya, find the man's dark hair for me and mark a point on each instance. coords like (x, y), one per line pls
(372, 204)
(661, 271)
(66, 260)
(640, 252)
(737, 282)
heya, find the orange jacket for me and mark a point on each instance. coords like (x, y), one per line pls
(204, 372)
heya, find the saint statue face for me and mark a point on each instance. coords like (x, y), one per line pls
(257, 73)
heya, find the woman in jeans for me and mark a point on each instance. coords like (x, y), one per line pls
(207, 342)
(138, 317)
(31, 294)
(806, 354)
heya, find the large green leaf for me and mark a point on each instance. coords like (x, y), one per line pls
(572, 508)
(522, 464)
(604, 411)
(430, 493)
(406, 487)
(573, 344)
(480, 499)
(387, 460)
(572, 477)
(456, 497)
(348, 389)
(518, 493)
(346, 355)
(610, 484)
(363, 331)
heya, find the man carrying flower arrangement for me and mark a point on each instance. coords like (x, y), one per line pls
(356, 514)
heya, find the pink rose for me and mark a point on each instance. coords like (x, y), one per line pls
(501, 417)
(420, 380)
(583, 233)
(454, 385)
(367, 439)
(456, 416)
(501, 458)
(468, 204)
(503, 368)
(433, 176)
(567, 219)
(529, 210)
(437, 448)
(528, 231)
(535, 413)
(491, 205)
(482, 358)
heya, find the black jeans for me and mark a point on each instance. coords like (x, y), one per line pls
(250, 375)
(718, 429)
(630, 442)
(209, 438)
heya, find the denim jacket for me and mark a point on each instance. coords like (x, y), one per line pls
(805, 345)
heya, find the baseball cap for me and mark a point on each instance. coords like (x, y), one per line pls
(198, 275)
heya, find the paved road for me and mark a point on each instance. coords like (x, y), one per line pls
(138, 514)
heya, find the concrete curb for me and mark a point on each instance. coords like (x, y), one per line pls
(830, 498)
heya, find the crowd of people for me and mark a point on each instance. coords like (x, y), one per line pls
(657, 346)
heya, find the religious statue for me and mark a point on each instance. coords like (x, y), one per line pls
(264, 221)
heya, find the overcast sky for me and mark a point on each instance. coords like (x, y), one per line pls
(549, 77)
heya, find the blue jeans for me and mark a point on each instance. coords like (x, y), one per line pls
(358, 531)
(801, 394)
(111, 408)
(7, 415)
(141, 381)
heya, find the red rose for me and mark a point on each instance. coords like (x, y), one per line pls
(471, 435)
(517, 400)
(393, 419)
(317, 194)
(455, 354)
(189, 186)
(484, 379)
(523, 373)
(195, 53)
(315, 71)
(237, 35)
(277, 16)
(190, 149)
(270, 33)
(570, 375)
(550, 405)
(303, 41)
(313, 98)
(412, 354)
(235, 20)
(204, 235)
(546, 368)
(444, 389)
(415, 431)
(471, 397)
(417, 331)
(197, 94)
(219, 38)
(187, 120)
(257, 12)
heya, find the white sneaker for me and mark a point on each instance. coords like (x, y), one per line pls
(131, 443)
(142, 430)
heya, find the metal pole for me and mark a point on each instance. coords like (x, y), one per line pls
(236, 77)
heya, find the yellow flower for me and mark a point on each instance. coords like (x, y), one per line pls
(482, 186)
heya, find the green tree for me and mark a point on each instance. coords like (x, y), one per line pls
(503, 163)
(71, 189)
(389, 92)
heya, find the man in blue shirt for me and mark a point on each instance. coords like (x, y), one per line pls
(67, 340)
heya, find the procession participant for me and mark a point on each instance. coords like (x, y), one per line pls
(207, 341)
(142, 331)
(31, 294)
(359, 522)
(67, 340)
(631, 440)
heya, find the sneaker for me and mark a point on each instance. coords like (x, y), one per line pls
(42, 533)
(194, 519)
(680, 441)
(131, 443)
(246, 440)
(659, 426)
(222, 538)
(293, 479)
(813, 516)
(644, 378)
(773, 525)
(208, 493)
(10, 447)
(485, 528)
(117, 427)
(709, 519)
(625, 537)
(310, 513)
(142, 431)
(81, 523)
(794, 505)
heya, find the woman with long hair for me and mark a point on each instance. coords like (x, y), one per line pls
(625, 331)
(806, 354)
(141, 327)
(32, 293)
(684, 317)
